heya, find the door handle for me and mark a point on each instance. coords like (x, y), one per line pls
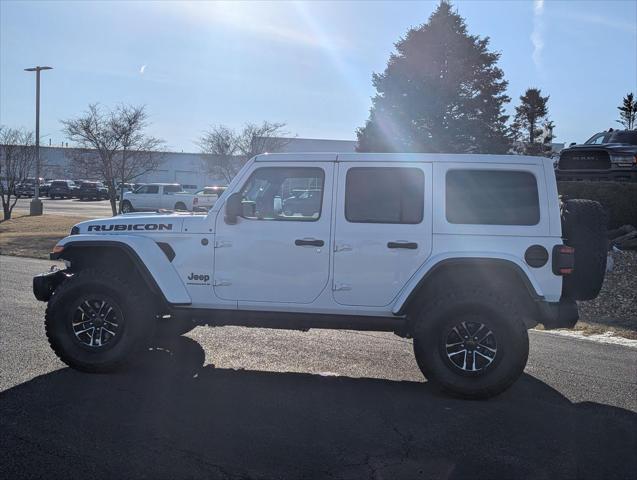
(403, 244)
(309, 242)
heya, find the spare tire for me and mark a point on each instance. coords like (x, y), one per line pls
(584, 225)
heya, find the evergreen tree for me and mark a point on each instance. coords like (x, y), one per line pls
(628, 112)
(441, 91)
(532, 130)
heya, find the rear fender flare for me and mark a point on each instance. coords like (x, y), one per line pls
(433, 264)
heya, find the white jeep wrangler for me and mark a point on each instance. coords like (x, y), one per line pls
(462, 253)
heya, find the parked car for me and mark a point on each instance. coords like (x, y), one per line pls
(206, 197)
(610, 155)
(90, 190)
(302, 202)
(26, 188)
(461, 253)
(63, 189)
(156, 196)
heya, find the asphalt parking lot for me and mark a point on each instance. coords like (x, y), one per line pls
(252, 403)
(68, 206)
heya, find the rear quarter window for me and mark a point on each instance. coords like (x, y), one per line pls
(491, 197)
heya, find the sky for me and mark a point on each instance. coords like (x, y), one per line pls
(308, 64)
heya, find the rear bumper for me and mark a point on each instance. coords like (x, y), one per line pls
(562, 314)
(45, 284)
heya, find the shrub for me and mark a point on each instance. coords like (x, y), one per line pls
(618, 198)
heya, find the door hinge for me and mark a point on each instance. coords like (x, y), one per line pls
(221, 283)
(222, 243)
(341, 287)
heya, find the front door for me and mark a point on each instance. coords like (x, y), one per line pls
(383, 229)
(279, 249)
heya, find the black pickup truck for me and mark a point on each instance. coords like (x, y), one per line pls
(610, 155)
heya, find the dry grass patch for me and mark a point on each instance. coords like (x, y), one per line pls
(35, 237)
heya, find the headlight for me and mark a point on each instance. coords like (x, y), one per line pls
(623, 160)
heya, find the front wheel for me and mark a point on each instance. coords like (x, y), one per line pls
(95, 322)
(127, 207)
(472, 344)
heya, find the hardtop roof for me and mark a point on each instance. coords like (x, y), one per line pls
(399, 157)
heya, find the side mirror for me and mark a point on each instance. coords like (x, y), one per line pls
(234, 208)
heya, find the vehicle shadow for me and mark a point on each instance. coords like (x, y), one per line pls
(169, 416)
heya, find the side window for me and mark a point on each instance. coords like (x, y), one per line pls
(149, 189)
(171, 189)
(492, 197)
(384, 195)
(281, 193)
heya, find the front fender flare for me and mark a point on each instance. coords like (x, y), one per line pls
(147, 256)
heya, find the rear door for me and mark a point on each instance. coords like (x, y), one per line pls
(383, 229)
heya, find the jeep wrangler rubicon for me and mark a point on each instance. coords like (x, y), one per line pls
(462, 253)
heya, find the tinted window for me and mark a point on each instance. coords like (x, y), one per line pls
(384, 195)
(271, 194)
(172, 188)
(148, 189)
(492, 197)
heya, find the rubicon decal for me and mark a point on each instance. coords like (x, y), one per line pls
(120, 227)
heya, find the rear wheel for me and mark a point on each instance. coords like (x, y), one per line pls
(180, 206)
(472, 344)
(584, 225)
(127, 207)
(95, 322)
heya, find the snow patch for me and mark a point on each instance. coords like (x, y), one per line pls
(607, 337)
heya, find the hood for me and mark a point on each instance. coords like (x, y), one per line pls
(605, 147)
(137, 223)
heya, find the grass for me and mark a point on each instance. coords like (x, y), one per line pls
(34, 237)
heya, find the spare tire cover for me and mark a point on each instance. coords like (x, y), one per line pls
(584, 225)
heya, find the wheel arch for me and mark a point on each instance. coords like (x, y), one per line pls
(145, 257)
(467, 270)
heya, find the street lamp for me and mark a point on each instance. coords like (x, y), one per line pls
(36, 204)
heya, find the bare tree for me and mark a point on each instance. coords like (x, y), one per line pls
(256, 139)
(113, 145)
(225, 151)
(219, 147)
(140, 153)
(17, 156)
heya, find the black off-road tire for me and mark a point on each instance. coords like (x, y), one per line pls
(166, 328)
(435, 326)
(137, 326)
(584, 226)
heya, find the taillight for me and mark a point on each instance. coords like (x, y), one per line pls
(563, 260)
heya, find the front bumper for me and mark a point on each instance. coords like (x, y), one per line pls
(614, 174)
(45, 284)
(562, 314)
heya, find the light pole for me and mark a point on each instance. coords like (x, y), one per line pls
(36, 204)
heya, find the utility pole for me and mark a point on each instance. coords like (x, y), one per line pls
(35, 207)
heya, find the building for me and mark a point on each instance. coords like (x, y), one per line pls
(187, 169)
